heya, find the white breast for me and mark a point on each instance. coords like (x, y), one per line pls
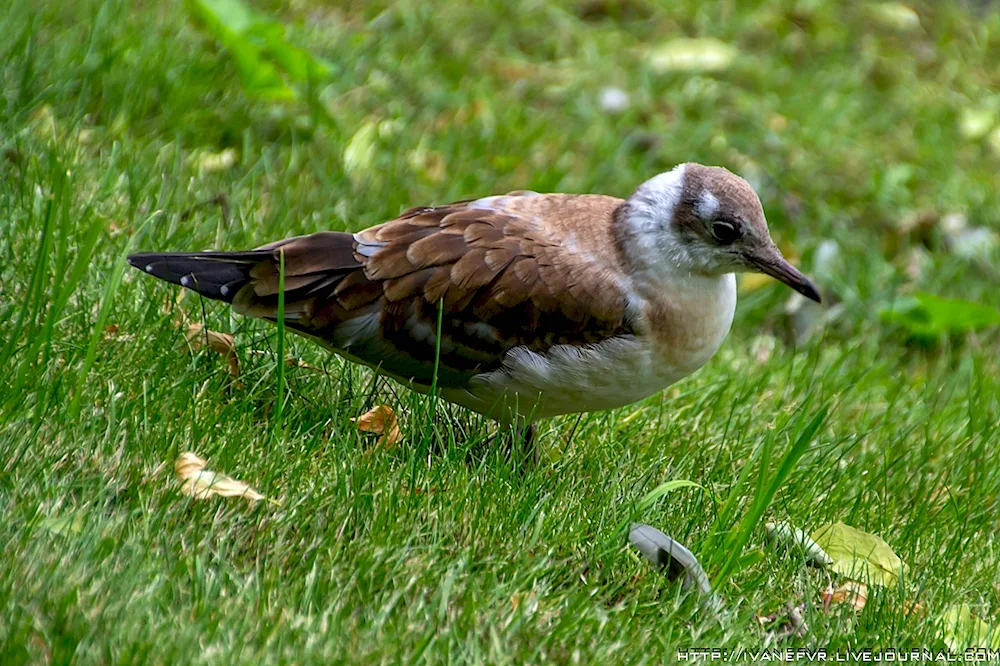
(568, 379)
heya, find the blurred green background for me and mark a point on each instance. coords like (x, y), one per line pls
(870, 130)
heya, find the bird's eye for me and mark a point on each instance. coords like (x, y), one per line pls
(726, 232)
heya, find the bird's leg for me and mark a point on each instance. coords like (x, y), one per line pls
(522, 447)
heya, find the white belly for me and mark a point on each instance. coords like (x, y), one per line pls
(568, 379)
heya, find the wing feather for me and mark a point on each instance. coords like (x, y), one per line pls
(522, 270)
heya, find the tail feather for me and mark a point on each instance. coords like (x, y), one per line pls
(314, 266)
(217, 275)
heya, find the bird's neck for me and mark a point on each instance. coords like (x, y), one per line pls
(649, 250)
(687, 313)
(687, 317)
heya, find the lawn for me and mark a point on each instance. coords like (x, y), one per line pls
(871, 133)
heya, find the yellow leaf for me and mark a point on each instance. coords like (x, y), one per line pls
(201, 483)
(857, 553)
(380, 420)
(961, 630)
(221, 343)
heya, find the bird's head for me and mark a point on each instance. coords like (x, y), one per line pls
(707, 221)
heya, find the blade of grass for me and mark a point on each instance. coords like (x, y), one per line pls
(651, 498)
(107, 303)
(741, 535)
(729, 507)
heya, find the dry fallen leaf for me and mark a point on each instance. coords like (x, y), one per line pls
(852, 592)
(299, 363)
(221, 343)
(380, 420)
(201, 483)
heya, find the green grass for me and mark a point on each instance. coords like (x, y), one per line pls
(450, 553)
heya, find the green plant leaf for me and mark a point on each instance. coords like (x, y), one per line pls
(960, 630)
(259, 47)
(297, 63)
(860, 555)
(927, 316)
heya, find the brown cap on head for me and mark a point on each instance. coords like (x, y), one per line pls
(730, 196)
(728, 208)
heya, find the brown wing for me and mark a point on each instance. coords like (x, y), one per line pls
(519, 270)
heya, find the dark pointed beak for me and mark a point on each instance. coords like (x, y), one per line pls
(778, 267)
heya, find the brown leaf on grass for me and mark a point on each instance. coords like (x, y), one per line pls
(119, 226)
(380, 420)
(199, 337)
(112, 333)
(221, 343)
(851, 592)
(201, 483)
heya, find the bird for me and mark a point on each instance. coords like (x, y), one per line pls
(522, 306)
